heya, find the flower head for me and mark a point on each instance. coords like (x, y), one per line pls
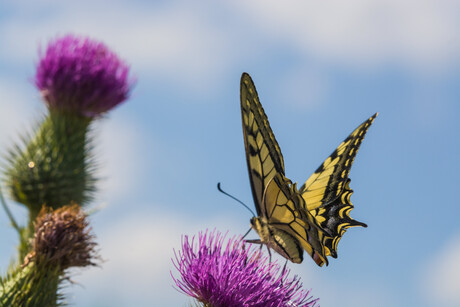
(62, 237)
(234, 275)
(82, 76)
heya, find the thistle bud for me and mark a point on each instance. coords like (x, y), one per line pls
(63, 238)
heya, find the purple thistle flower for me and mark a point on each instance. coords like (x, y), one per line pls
(236, 275)
(82, 76)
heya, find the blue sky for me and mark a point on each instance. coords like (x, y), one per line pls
(321, 68)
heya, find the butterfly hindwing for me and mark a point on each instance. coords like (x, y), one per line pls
(282, 205)
(334, 219)
(328, 181)
(263, 153)
(327, 192)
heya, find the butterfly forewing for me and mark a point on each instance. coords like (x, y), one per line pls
(263, 153)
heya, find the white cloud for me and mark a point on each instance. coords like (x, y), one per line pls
(336, 289)
(170, 40)
(19, 109)
(440, 275)
(183, 42)
(303, 87)
(421, 34)
(357, 295)
(121, 142)
(138, 249)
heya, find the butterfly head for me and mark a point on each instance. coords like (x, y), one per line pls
(260, 226)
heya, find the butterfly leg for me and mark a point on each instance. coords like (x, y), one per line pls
(284, 267)
(256, 241)
(269, 254)
(247, 232)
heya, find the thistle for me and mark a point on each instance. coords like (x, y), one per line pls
(79, 80)
(62, 240)
(234, 275)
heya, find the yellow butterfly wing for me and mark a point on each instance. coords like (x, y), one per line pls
(280, 224)
(263, 154)
(290, 221)
(282, 204)
(327, 192)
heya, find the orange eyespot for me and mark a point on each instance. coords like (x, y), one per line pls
(319, 261)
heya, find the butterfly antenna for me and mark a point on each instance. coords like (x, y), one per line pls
(223, 192)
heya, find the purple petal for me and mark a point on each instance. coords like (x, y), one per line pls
(234, 274)
(82, 76)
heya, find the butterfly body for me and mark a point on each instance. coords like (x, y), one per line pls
(278, 240)
(290, 220)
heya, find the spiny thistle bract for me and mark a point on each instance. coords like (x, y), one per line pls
(55, 167)
(235, 275)
(62, 240)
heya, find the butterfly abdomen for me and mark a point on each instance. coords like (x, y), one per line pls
(278, 240)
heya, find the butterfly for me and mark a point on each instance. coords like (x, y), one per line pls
(290, 220)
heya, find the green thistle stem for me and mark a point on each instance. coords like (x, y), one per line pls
(32, 285)
(55, 168)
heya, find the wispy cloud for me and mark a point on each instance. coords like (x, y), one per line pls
(418, 34)
(185, 42)
(20, 108)
(440, 275)
(138, 250)
(336, 289)
(174, 41)
(303, 87)
(121, 142)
